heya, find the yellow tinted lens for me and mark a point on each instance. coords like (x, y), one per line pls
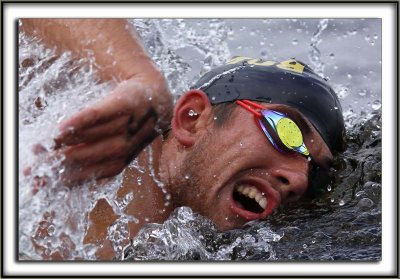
(289, 133)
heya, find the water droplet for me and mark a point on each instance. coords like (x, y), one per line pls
(352, 32)
(349, 76)
(241, 144)
(295, 42)
(187, 177)
(50, 230)
(139, 180)
(365, 203)
(215, 118)
(332, 56)
(146, 219)
(329, 188)
(335, 107)
(192, 113)
(305, 246)
(360, 193)
(363, 92)
(341, 202)
(375, 36)
(376, 105)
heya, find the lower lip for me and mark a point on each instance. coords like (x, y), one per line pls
(250, 216)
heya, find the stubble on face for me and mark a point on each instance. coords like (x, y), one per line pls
(192, 177)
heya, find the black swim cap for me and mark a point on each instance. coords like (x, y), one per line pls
(289, 83)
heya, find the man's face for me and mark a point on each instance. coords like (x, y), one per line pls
(233, 174)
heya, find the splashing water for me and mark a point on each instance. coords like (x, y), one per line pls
(344, 223)
(315, 53)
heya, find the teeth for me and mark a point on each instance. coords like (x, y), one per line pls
(263, 203)
(252, 192)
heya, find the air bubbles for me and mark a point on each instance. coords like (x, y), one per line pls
(360, 193)
(341, 203)
(365, 204)
(329, 188)
(362, 92)
(295, 42)
(139, 180)
(332, 56)
(187, 177)
(352, 32)
(376, 105)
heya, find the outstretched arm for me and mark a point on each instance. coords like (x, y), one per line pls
(100, 141)
(113, 42)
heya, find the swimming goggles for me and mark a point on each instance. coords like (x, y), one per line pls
(282, 132)
(285, 135)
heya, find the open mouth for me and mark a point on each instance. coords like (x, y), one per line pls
(250, 199)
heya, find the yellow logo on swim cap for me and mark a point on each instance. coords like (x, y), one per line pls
(291, 65)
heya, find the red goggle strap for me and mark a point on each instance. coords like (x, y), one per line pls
(246, 104)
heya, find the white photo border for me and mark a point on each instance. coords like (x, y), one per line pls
(388, 12)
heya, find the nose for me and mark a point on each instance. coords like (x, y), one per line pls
(292, 183)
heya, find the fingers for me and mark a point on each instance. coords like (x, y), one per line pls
(114, 105)
(108, 129)
(105, 158)
(118, 146)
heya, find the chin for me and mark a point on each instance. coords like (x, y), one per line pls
(229, 223)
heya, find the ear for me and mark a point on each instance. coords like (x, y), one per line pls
(187, 125)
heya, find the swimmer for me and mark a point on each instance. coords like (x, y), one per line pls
(249, 136)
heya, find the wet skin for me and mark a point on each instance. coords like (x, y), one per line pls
(201, 165)
(224, 158)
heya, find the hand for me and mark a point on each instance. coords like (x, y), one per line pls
(100, 141)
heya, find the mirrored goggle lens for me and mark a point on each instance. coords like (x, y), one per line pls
(283, 132)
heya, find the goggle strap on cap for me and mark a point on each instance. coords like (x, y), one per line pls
(247, 105)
